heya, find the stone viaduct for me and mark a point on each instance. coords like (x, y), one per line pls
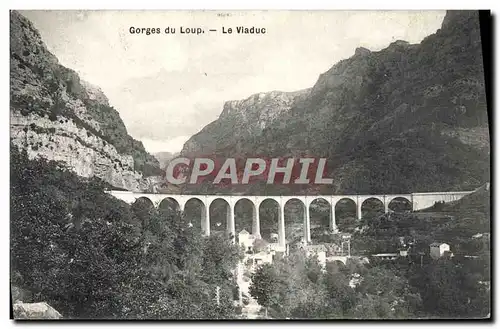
(417, 200)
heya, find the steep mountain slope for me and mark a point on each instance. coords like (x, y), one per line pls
(56, 115)
(241, 120)
(406, 118)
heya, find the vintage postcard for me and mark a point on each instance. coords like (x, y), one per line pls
(181, 165)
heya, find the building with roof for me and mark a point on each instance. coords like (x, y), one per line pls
(246, 240)
(261, 258)
(277, 248)
(438, 250)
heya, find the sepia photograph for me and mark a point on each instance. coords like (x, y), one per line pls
(250, 165)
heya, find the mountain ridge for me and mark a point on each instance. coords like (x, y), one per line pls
(249, 116)
(408, 117)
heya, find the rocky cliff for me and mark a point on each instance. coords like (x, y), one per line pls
(35, 311)
(241, 120)
(58, 116)
(411, 117)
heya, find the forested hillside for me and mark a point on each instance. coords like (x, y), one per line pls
(90, 255)
(410, 117)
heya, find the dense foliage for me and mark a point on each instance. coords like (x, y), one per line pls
(91, 256)
(300, 289)
(415, 286)
(297, 288)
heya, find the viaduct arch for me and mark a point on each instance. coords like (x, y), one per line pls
(418, 201)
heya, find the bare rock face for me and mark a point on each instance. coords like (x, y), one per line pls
(35, 311)
(264, 107)
(58, 116)
(95, 93)
(241, 119)
(362, 51)
(84, 153)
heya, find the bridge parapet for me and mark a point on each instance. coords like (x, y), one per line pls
(444, 193)
(342, 259)
(428, 199)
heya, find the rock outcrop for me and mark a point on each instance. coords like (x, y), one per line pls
(241, 120)
(58, 116)
(35, 311)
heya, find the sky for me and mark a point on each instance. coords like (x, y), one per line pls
(167, 87)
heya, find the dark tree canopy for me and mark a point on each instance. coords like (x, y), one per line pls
(90, 255)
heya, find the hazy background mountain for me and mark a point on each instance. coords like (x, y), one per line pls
(411, 117)
(164, 158)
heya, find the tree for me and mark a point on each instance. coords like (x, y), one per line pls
(340, 296)
(264, 287)
(92, 256)
(293, 287)
(390, 294)
(451, 290)
(259, 245)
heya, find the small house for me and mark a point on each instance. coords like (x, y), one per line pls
(246, 240)
(438, 250)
